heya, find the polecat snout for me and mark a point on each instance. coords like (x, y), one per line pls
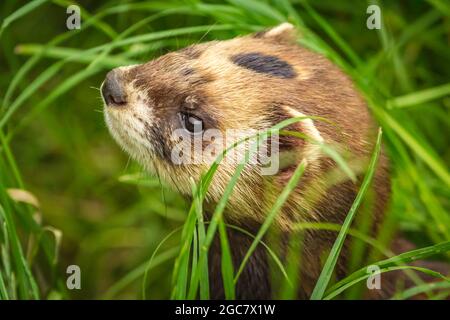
(250, 83)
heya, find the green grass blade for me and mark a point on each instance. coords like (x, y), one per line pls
(51, 71)
(3, 292)
(428, 157)
(150, 261)
(60, 53)
(331, 261)
(19, 13)
(181, 267)
(204, 277)
(423, 288)
(226, 263)
(217, 215)
(139, 272)
(329, 150)
(260, 11)
(328, 29)
(341, 289)
(290, 186)
(420, 97)
(271, 253)
(402, 258)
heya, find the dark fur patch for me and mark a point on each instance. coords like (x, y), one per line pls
(187, 71)
(261, 63)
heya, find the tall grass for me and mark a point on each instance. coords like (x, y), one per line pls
(133, 237)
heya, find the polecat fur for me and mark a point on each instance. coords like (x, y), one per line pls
(253, 82)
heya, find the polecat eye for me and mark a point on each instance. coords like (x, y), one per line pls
(191, 123)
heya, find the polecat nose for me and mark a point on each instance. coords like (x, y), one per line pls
(113, 91)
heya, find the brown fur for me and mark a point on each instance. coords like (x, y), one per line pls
(204, 80)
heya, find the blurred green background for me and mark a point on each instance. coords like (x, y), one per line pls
(110, 215)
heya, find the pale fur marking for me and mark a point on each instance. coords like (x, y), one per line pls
(282, 28)
(312, 149)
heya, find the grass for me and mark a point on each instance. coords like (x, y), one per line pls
(331, 261)
(130, 234)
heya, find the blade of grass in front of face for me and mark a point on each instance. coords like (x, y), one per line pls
(333, 154)
(279, 202)
(180, 270)
(331, 261)
(206, 180)
(201, 193)
(272, 254)
(217, 215)
(181, 267)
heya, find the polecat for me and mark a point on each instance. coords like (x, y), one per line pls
(252, 83)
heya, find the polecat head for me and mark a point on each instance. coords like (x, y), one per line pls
(235, 87)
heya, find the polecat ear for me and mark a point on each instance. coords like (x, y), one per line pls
(283, 33)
